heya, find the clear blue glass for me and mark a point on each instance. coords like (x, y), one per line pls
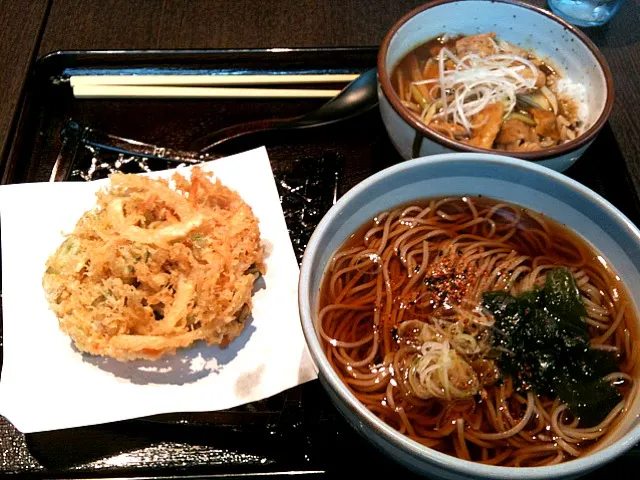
(585, 13)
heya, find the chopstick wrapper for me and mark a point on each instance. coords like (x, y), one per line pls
(47, 384)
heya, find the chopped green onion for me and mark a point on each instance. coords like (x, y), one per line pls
(535, 100)
(522, 117)
(418, 97)
(431, 111)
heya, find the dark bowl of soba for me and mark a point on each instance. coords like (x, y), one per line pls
(473, 315)
(488, 76)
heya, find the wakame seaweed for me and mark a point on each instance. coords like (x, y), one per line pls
(542, 340)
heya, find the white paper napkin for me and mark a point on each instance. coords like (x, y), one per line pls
(46, 384)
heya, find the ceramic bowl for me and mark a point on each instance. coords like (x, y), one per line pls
(530, 27)
(503, 178)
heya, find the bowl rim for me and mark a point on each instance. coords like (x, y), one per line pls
(539, 155)
(441, 460)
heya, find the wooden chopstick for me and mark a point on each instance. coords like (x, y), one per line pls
(170, 80)
(145, 91)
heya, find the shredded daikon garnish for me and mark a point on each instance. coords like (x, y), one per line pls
(476, 81)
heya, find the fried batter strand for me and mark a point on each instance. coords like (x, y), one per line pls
(152, 269)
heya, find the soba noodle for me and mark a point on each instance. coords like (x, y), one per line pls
(402, 322)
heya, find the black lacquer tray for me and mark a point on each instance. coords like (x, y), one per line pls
(297, 432)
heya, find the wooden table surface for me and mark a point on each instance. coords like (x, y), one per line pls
(32, 28)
